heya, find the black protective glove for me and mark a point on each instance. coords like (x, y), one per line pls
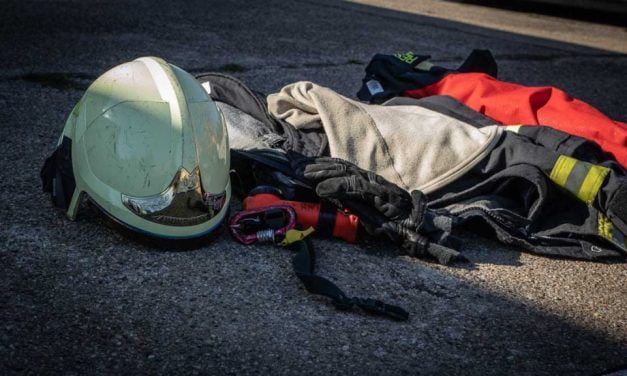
(383, 207)
(338, 179)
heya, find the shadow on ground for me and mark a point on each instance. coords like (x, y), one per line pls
(78, 298)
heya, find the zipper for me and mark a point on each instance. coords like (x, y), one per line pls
(506, 225)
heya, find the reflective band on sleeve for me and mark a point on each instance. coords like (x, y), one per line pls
(561, 170)
(591, 184)
(582, 179)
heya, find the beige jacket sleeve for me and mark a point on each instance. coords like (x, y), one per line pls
(411, 146)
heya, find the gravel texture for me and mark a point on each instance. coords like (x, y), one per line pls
(78, 298)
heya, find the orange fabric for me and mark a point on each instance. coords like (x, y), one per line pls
(510, 103)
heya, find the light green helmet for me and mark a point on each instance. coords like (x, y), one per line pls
(150, 149)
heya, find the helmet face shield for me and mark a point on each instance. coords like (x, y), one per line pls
(183, 203)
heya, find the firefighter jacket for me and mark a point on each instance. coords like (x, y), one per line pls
(536, 188)
(475, 85)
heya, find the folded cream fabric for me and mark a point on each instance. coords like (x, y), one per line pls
(409, 145)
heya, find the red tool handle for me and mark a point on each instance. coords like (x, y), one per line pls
(308, 214)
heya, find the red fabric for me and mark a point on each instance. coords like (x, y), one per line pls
(511, 104)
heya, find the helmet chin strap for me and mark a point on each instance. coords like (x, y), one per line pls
(57, 176)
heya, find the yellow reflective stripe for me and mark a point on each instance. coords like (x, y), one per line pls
(582, 179)
(407, 57)
(605, 227)
(561, 169)
(513, 128)
(592, 183)
(607, 231)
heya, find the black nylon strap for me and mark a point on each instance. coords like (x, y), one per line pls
(48, 171)
(618, 208)
(304, 265)
(326, 219)
(57, 174)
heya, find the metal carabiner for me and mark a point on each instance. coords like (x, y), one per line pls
(265, 224)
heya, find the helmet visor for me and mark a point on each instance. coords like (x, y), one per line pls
(183, 203)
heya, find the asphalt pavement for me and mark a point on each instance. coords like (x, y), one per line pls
(78, 298)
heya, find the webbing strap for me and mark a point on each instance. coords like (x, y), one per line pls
(304, 264)
(326, 219)
(582, 179)
(57, 175)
